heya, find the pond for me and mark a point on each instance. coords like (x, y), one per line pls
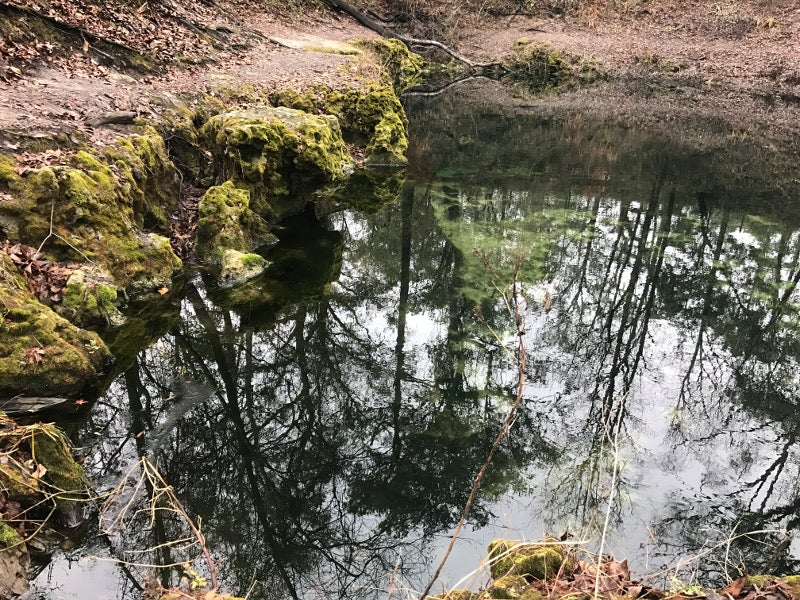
(324, 424)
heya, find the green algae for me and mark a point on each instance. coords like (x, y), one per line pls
(41, 353)
(279, 154)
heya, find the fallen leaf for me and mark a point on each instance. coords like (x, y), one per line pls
(163, 290)
(80, 402)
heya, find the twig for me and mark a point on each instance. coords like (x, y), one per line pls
(610, 501)
(504, 430)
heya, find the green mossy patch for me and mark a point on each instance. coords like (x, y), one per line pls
(226, 221)
(9, 537)
(235, 268)
(372, 118)
(509, 586)
(148, 177)
(96, 209)
(404, 68)
(279, 154)
(90, 298)
(41, 353)
(541, 67)
(534, 561)
(458, 595)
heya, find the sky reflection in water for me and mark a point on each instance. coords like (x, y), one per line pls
(326, 423)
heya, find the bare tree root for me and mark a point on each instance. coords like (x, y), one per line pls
(381, 29)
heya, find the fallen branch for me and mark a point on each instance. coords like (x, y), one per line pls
(513, 305)
(379, 28)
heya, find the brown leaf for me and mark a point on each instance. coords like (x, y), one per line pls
(734, 588)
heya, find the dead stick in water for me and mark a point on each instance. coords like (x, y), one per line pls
(504, 430)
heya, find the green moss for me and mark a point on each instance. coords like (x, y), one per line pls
(529, 560)
(226, 222)
(50, 448)
(9, 537)
(457, 595)
(70, 358)
(147, 175)
(294, 99)
(97, 209)
(237, 267)
(508, 586)
(405, 68)
(90, 298)
(373, 118)
(9, 179)
(278, 154)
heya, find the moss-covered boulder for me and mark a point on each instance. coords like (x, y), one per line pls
(533, 561)
(148, 177)
(234, 267)
(41, 353)
(508, 586)
(279, 154)
(371, 118)
(458, 595)
(90, 298)
(404, 68)
(226, 221)
(91, 211)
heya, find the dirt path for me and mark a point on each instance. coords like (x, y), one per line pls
(666, 62)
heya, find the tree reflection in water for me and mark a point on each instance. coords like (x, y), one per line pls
(329, 418)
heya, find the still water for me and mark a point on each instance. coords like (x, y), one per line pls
(325, 424)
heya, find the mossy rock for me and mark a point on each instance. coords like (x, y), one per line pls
(279, 154)
(92, 207)
(90, 298)
(50, 448)
(179, 122)
(372, 118)
(508, 586)
(405, 69)
(41, 353)
(54, 475)
(147, 176)
(458, 595)
(234, 267)
(226, 221)
(528, 560)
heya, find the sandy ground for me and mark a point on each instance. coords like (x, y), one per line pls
(688, 63)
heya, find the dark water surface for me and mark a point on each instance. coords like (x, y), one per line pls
(326, 423)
